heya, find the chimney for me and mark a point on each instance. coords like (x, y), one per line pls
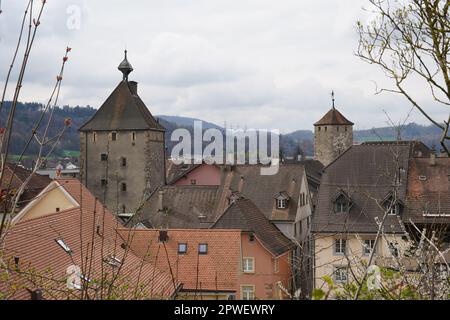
(133, 87)
(432, 158)
(160, 200)
(35, 294)
(292, 187)
(241, 184)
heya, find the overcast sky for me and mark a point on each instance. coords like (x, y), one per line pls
(255, 63)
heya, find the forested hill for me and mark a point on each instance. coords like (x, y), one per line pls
(28, 113)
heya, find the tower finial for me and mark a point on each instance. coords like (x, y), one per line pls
(332, 98)
(125, 67)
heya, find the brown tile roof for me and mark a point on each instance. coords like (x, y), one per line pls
(19, 175)
(428, 191)
(261, 190)
(333, 117)
(186, 203)
(123, 110)
(367, 174)
(216, 270)
(177, 171)
(34, 243)
(184, 207)
(243, 214)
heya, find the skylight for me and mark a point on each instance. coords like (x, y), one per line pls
(113, 261)
(63, 245)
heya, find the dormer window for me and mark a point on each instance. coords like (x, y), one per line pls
(342, 203)
(391, 205)
(282, 200)
(281, 203)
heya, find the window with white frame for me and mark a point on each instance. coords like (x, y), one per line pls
(340, 246)
(248, 292)
(369, 246)
(393, 248)
(248, 264)
(182, 248)
(340, 274)
(341, 205)
(281, 203)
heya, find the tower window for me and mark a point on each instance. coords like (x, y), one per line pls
(203, 248)
(94, 136)
(337, 128)
(124, 187)
(318, 128)
(124, 209)
(182, 248)
(114, 136)
(124, 162)
(104, 182)
(326, 128)
(104, 157)
(133, 136)
(346, 129)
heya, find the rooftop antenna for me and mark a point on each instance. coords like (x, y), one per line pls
(125, 67)
(332, 98)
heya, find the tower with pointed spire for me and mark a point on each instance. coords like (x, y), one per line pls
(333, 134)
(122, 149)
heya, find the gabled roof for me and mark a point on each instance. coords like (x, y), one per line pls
(333, 117)
(282, 196)
(244, 215)
(123, 110)
(177, 171)
(215, 271)
(19, 175)
(367, 173)
(33, 242)
(184, 207)
(262, 189)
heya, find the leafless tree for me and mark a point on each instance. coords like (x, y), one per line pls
(409, 41)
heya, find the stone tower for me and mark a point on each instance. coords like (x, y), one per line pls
(333, 134)
(122, 149)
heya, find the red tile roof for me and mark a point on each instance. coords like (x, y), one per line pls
(215, 271)
(34, 243)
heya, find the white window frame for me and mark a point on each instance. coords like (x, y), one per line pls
(367, 248)
(340, 274)
(248, 264)
(281, 203)
(200, 246)
(394, 209)
(185, 248)
(248, 292)
(340, 205)
(342, 245)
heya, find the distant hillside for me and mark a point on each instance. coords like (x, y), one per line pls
(28, 113)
